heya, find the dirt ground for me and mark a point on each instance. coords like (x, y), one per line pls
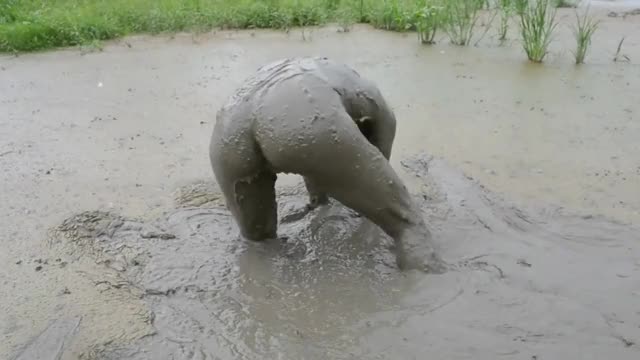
(528, 174)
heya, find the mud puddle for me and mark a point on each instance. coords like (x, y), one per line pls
(114, 132)
(531, 284)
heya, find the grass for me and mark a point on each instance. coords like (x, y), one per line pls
(584, 29)
(28, 25)
(460, 19)
(506, 11)
(396, 15)
(32, 25)
(428, 20)
(537, 23)
(346, 17)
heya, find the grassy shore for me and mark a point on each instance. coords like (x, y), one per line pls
(28, 25)
(31, 25)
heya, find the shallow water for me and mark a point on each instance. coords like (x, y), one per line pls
(120, 130)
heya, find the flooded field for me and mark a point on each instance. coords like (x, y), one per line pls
(116, 243)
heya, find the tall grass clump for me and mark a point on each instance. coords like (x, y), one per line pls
(396, 15)
(537, 23)
(361, 10)
(349, 12)
(8, 10)
(506, 8)
(428, 19)
(460, 18)
(583, 30)
(345, 18)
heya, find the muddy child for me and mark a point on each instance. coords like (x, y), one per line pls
(319, 119)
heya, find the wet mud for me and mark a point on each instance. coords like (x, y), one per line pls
(330, 288)
(116, 243)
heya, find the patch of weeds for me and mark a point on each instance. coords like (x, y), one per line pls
(92, 46)
(537, 23)
(428, 20)
(395, 15)
(584, 29)
(362, 10)
(460, 18)
(346, 17)
(8, 11)
(306, 13)
(506, 8)
(331, 5)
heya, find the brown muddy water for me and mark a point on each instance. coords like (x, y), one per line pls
(116, 244)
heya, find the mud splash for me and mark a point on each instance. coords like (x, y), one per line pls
(529, 284)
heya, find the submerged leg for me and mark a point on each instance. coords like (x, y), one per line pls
(376, 192)
(252, 202)
(256, 207)
(247, 184)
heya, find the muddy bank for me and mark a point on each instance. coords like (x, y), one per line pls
(119, 130)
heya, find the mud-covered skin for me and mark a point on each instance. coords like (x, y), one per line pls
(321, 120)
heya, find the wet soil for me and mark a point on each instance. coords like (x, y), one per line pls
(329, 288)
(116, 243)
